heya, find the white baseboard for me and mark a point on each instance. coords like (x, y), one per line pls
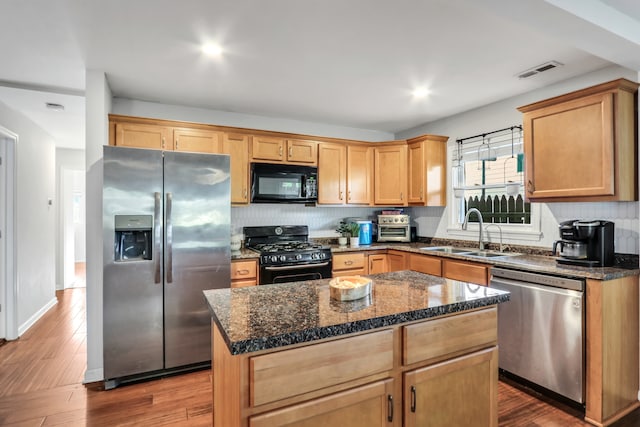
(93, 375)
(638, 394)
(37, 315)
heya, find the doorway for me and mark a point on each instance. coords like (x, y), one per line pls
(73, 228)
(8, 281)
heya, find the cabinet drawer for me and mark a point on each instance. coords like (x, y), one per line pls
(244, 270)
(466, 272)
(349, 261)
(450, 336)
(301, 370)
(426, 264)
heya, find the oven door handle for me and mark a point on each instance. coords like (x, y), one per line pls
(296, 267)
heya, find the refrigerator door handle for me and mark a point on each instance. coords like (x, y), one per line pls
(157, 241)
(169, 248)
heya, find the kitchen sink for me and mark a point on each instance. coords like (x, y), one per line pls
(447, 249)
(489, 254)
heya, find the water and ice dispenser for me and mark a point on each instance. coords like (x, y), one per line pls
(133, 237)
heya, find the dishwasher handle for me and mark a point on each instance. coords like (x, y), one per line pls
(497, 281)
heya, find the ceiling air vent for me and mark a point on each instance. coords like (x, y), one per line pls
(539, 69)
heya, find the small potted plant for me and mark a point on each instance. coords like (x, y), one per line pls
(354, 231)
(344, 231)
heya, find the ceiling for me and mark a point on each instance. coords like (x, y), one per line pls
(346, 63)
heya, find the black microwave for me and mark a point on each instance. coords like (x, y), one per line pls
(274, 183)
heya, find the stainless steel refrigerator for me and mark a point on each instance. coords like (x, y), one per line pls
(166, 225)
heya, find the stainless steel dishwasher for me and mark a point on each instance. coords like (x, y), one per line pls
(541, 330)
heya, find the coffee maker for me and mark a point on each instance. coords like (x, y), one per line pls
(585, 243)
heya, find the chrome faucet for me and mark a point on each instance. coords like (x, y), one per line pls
(499, 229)
(466, 221)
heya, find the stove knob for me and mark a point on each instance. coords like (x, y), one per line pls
(298, 256)
(321, 255)
(274, 258)
(283, 258)
(314, 255)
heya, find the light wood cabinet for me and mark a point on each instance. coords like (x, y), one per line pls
(344, 174)
(277, 149)
(465, 271)
(378, 263)
(390, 175)
(349, 264)
(582, 146)
(332, 173)
(365, 406)
(426, 264)
(237, 147)
(457, 393)
(196, 140)
(396, 260)
(244, 273)
(359, 175)
(427, 171)
(143, 136)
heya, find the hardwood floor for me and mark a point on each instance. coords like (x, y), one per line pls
(41, 385)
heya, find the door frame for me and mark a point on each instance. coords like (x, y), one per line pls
(9, 278)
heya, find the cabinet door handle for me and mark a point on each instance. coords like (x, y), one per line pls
(176, 144)
(242, 272)
(530, 187)
(349, 195)
(420, 193)
(348, 262)
(413, 398)
(341, 195)
(401, 196)
(390, 408)
(290, 151)
(280, 152)
(163, 142)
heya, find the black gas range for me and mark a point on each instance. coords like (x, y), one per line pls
(287, 255)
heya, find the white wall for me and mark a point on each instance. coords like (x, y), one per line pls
(70, 160)
(129, 107)
(98, 106)
(35, 218)
(434, 221)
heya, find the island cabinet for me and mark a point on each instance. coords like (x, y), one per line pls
(345, 174)
(588, 130)
(278, 149)
(439, 372)
(237, 147)
(390, 175)
(427, 171)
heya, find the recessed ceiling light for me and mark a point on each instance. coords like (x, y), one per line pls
(212, 49)
(420, 92)
(54, 106)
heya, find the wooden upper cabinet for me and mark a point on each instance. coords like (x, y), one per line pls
(196, 140)
(237, 146)
(427, 171)
(359, 174)
(275, 149)
(302, 151)
(390, 175)
(143, 136)
(268, 148)
(332, 173)
(582, 146)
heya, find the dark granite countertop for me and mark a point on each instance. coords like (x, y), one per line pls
(266, 317)
(625, 266)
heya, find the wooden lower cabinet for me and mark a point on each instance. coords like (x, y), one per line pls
(425, 264)
(455, 393)
(378, 263)
(366, 406)
(466, 271)
(349, 264)
(396, 260)
(244, 273)
(365, 379)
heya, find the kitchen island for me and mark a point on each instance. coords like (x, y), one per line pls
(419, 349)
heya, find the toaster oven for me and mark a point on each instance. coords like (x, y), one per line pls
(394, 228)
